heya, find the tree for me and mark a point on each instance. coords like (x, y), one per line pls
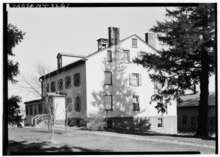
(13, 111)
(189, 33)
(14, 37)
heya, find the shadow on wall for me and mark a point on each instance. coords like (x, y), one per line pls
(118, 112)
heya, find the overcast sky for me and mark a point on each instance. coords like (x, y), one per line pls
(72, 30)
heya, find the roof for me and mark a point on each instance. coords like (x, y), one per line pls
(33, 101)
(122, 41)
(193, 100)
(67, 67)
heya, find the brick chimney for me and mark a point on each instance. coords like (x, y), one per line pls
(150, 39)
(113, 35)
(102, 43)
(59, 61)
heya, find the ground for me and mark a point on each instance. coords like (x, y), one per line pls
(38, 141)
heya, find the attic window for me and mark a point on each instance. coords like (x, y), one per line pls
(134, 43)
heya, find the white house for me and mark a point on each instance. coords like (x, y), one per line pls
(108, 84)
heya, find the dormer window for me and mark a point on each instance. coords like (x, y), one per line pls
(134, 43)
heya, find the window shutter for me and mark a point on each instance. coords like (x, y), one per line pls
(140, 79)
(130, 76)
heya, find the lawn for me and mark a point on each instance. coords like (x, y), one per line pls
(38, 141)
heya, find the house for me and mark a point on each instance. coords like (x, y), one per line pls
(187, 112)
(33, 108)
(108, 84)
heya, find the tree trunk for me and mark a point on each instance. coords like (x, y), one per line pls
(203, 103)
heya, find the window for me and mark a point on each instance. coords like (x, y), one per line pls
(26, 109)
(109, 56)
(31, 110)
(108, 103)
(40, 108)
(193, 123)
(184, 119)
(48, 88)
(141, 54)
(108, 78)
(135, 79)
(125, 56)
(160, 123)
(77, 104)
(77, 79)
(69, 104)
(60, 84)
(68, 82)
(135, 103)
(35, 109)
(134, 43)
(53, 86)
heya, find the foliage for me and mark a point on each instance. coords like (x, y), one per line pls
(14, 110)
(14, 37)
(96, 124)
(189, 59)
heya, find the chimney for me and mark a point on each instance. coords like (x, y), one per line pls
(113, 35)
(102, 43)
(59, 61)
(150, 39)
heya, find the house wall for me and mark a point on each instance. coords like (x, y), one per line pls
(35, 111)
(120, 90)
(190, 112)
(72, 92)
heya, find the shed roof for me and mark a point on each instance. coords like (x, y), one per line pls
(193, 100)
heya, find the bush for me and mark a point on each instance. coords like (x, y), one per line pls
(96, 124)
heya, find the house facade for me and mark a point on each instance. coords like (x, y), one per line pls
(108, 84)
(187, 112)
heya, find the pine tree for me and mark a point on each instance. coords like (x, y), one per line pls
(189, 59)
(14, 37)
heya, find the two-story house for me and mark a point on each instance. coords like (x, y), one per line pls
(107, 83)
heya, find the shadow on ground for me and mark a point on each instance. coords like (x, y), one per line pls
(44, 148)
(150, 133)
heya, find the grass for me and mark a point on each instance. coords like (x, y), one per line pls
(38, 141)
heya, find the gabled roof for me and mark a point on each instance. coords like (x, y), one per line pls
(67, 67)
(193, 100)
(86, 57)
(121, 42)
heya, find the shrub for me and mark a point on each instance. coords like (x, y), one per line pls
(96, 124)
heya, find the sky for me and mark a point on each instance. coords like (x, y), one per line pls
(72, 30)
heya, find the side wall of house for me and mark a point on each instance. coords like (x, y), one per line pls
(71, 92)
(121, 90)
(32, 109)
(188, 119)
